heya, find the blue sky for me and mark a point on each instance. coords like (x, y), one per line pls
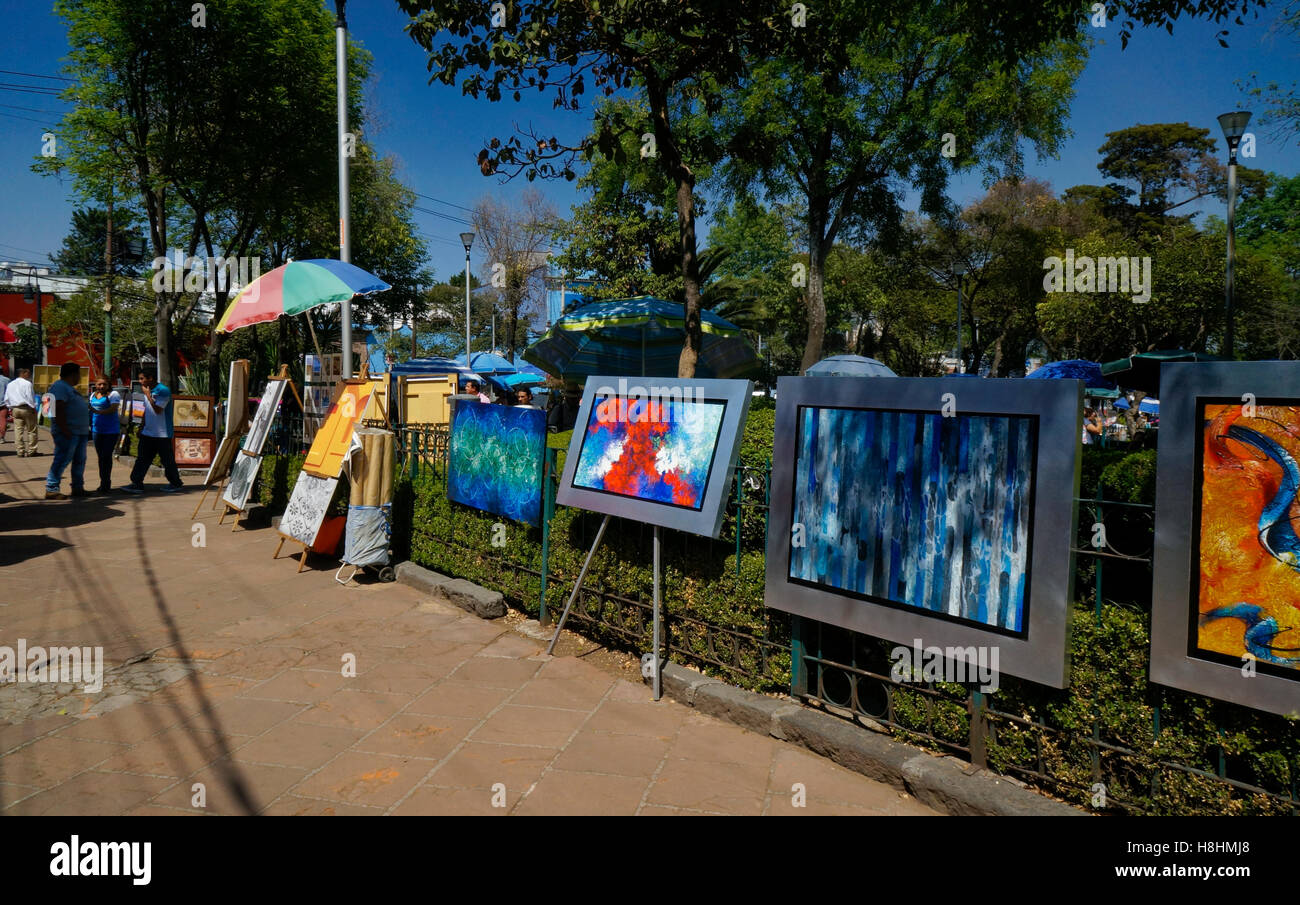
(434, 133)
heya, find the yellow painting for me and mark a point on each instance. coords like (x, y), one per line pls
(328, 449)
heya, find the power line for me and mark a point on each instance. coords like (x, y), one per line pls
(33, 75)
(31, 109)
(31, 89)
(39, 122)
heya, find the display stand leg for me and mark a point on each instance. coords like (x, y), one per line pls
(276, 554)
(302, 560)
(199, 504)
(658, 606)
(559, 626)
(217, 498)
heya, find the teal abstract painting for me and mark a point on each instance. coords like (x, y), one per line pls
(495, 460)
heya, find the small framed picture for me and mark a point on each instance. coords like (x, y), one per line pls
(192, 413)
(193, 451)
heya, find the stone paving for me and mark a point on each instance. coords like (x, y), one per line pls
(233, 685)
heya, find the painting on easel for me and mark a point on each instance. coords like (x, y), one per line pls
(242, 477)
(265, 414)
(330, 446)
(307, 507)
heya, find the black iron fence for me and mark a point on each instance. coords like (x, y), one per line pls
(1118, 757)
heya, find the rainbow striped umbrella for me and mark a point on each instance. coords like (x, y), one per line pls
(297, 287)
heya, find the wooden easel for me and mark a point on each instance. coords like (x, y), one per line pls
(306, 549)
(220, 487)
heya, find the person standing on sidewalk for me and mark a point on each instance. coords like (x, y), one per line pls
(4, 410)
(155, 439)
(70, 432)
(20, 399)
(105, 402)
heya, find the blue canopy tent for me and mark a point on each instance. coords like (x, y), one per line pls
(1147, 405)
(640, 336)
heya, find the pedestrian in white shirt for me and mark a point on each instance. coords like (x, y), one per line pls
(20, 399)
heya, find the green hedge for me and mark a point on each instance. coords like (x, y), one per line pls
(1108, 692)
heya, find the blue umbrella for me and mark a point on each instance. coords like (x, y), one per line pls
(849, 366)
(1148, 405)
(435, 367)
(504, 383)
(488, 363)
(1074, 369)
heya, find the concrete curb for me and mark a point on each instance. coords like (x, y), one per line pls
(943, 783)
(465, 594)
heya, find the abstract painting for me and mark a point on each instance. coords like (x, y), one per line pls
(1249, 554)
(660, 451)
(917, 509)
(308, 505)
(242, 477)
(909, 508)
(495, 459)
(1226, 591)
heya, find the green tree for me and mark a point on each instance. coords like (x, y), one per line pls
(857, 106)
(82, 252)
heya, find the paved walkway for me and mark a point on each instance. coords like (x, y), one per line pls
(227, 689)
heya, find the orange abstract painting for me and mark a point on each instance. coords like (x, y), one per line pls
(325, 458)
(1249, 552)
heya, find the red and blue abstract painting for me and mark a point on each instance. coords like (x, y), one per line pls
(657, 450)
(917, 510)
(495, 459)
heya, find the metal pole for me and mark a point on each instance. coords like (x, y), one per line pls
(658, 599)
(961, 365)
(40, 330)
(345, 218)
(467, 361)
(1232, 246)
(108, 293)
(548, 510)
(604, 523)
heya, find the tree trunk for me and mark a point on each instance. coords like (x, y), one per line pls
(681, 174)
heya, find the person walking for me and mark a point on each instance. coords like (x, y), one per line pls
(20, 399)
(70, 433)
(104, 404)
(4, 410)
(155, 440)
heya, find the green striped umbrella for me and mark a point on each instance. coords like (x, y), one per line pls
(638, 337)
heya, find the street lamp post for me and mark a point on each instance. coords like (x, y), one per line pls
(959, 271)
(467, 239)
(1234, 126)
(345, 218)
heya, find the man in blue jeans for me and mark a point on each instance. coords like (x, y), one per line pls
(70, 432)
(155, 436)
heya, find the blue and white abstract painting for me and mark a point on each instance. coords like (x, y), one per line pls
(917, 509)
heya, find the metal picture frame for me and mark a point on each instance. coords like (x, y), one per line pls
(1039, 652)
(1176, 659)
(733, 395)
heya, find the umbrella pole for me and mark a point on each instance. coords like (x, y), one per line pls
(312, 330)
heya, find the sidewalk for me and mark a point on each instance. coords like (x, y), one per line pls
(225, 690)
